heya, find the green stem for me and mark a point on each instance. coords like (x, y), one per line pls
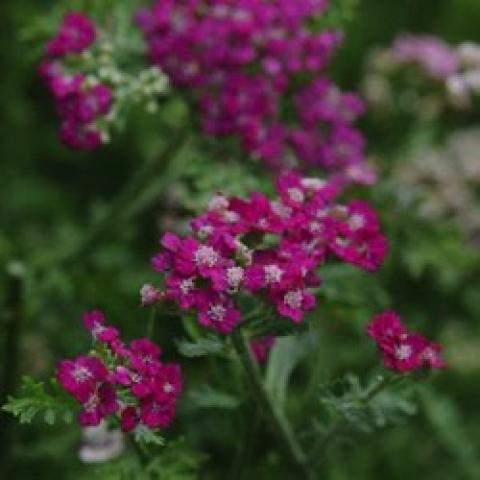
(242, 460)
(12, 324)
(139, 451)
(125, 207)
(277, 421)
(151, 323)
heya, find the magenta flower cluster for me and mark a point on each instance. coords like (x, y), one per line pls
(130, 382)
(241, 59)
(402, 350)
(80, 104)
(268, 249)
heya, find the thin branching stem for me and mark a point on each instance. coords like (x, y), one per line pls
(275, 419)
(127, 205)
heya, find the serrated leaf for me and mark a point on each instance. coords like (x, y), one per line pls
(363, 414)
(146, 436)
(35, 400)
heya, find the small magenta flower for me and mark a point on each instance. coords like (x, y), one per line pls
(94, 322)
(294, 303)
(150, 295)
(80, 376)
(155, 414)
(403, 351)
(100, 404)
(145, 356)
(217, 312)
(76, 34)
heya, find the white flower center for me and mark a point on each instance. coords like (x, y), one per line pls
(272, 274)
(428, 354)
(313, 183)
(186, 285)
(403, 352)
(341, 242)
(81, 374)
(315, 227)
(205, 231)
(356, 221)
(230, 216)
(92, 403)
(168, 388)
(218, 202)
(296, 194)
(263, 223)
(97, 329)
(206, 256)
(281, 210)
(293, 299)
(235, 276)
(217, 312)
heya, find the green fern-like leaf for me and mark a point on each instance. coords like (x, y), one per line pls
(145, 436)
(34, 400)
(361, 412)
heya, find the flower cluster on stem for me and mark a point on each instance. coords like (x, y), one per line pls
(242, 59)
(269, 249)
(80, 102)
(402, 350)
(128, 382)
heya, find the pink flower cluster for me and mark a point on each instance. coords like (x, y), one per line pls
(269, 249)
(80, 105)
(241, 59)
(128, 381)
(433, 56)
(402, 350)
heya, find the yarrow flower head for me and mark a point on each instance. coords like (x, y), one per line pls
(403, 351)
(80, 103)
(83, 77)
(268, 249)
(241, 58)
(127, 381)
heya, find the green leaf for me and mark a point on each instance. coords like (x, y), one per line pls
(35, 400)
(363, 414)
(284, 357)
(177, 461)
(145, 436)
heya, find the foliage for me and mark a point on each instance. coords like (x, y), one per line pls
(55, 199)
(34, 400)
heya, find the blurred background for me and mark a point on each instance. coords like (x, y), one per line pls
(53, 201)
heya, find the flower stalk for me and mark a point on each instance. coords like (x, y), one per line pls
(276, 420)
